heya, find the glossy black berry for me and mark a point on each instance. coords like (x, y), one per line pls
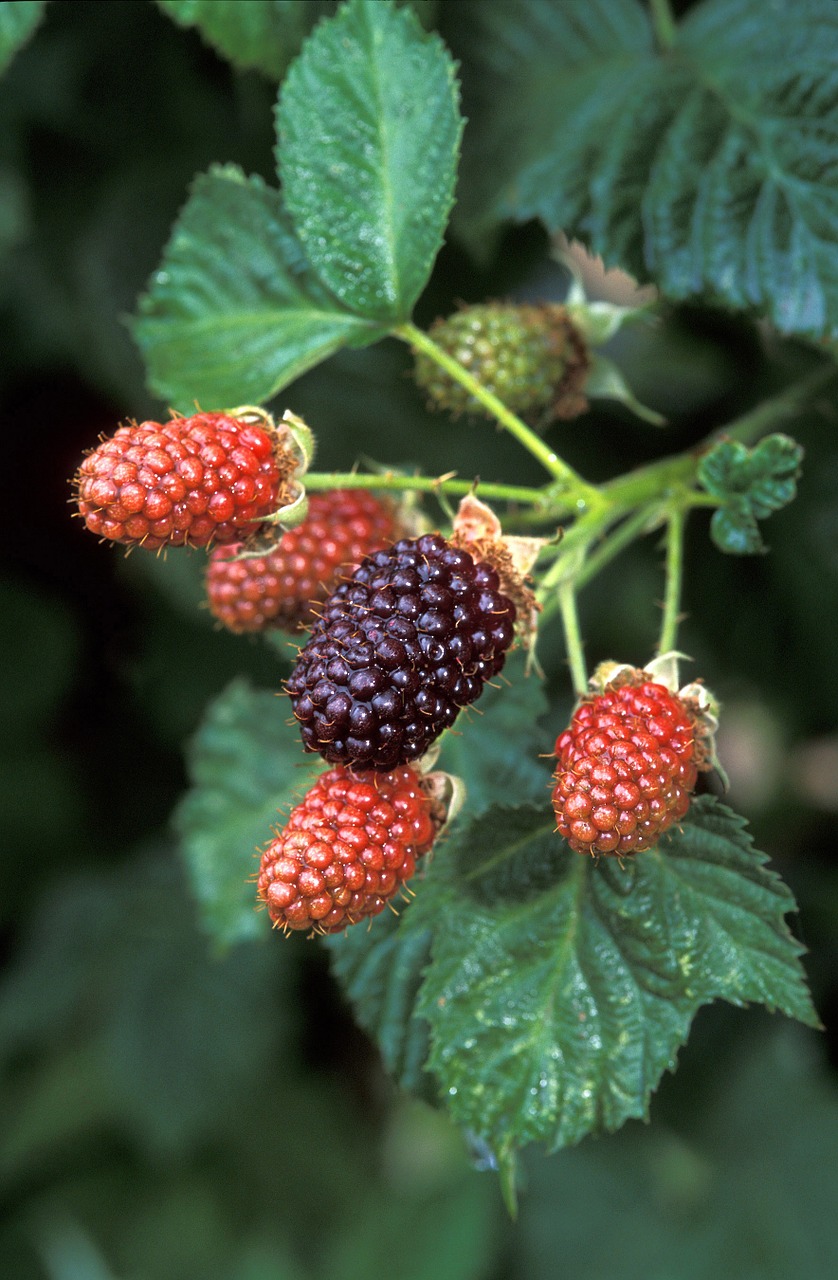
(399, 649)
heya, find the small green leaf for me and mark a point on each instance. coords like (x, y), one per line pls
(735, 531)
(245, 765)
(380, 968)
(368, 136)
(751, 483)
(605, 381)
(560, 989)
(18, 22)
(233, 313)
(265, 34)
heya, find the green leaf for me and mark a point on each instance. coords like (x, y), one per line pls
(677, 167)
(18, 22)
(233, 313)
(245, 764)
(380, 969)
(500, 738)
(752, 483)
(265, 34)
(368, 136)
(560, 989)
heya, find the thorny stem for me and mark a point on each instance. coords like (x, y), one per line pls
(390, 481)
(573, 485)
(674, 575)
(573, 637)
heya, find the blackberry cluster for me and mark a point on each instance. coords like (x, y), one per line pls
(400, 648)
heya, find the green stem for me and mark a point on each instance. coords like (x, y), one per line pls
(674, 577)
(573, 637)
(585, 495)
(627, 531)
(389, 481)
(663, 21)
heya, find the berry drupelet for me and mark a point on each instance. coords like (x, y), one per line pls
(187, 482)
(346, 849)
(627, 766)
(280, 588)
(399, 649)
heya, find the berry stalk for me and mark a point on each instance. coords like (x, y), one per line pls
(573, 637)
(674, 578)
(392, 483)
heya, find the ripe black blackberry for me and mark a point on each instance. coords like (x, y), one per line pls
(411, 638)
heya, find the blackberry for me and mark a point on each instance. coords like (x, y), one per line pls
(411, 638)
(282, 588)
(531, 356)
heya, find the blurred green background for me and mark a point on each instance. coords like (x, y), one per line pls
(169, 1113)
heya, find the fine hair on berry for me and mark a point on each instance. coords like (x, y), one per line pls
(411, 638)
(626, 767)
(346, 849)
(187, 482)
(282, 587)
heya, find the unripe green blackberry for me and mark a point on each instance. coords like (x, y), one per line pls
(531, 357)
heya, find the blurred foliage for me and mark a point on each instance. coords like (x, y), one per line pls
(167, 1113)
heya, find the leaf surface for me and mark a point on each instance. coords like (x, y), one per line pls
(245, 765)
(368, 137)
(677, 167)
(234, 313)
(264, 34)
(560, 990)
(18, 22)
(751, 483)
(499, 739)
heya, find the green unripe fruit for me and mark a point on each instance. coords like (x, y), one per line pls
(531, 357)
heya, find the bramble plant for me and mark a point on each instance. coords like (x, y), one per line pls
(543, 971)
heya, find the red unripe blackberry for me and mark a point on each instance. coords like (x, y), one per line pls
(626, 768)
(279, 588)
(191, 481)
(346, 849)
(399, 649)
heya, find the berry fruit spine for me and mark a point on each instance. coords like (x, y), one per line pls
(191, 481)
(399, 649)
(346, 849)
(283, 587)
(627, 766)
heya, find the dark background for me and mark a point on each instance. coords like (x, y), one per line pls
(165, 1112)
